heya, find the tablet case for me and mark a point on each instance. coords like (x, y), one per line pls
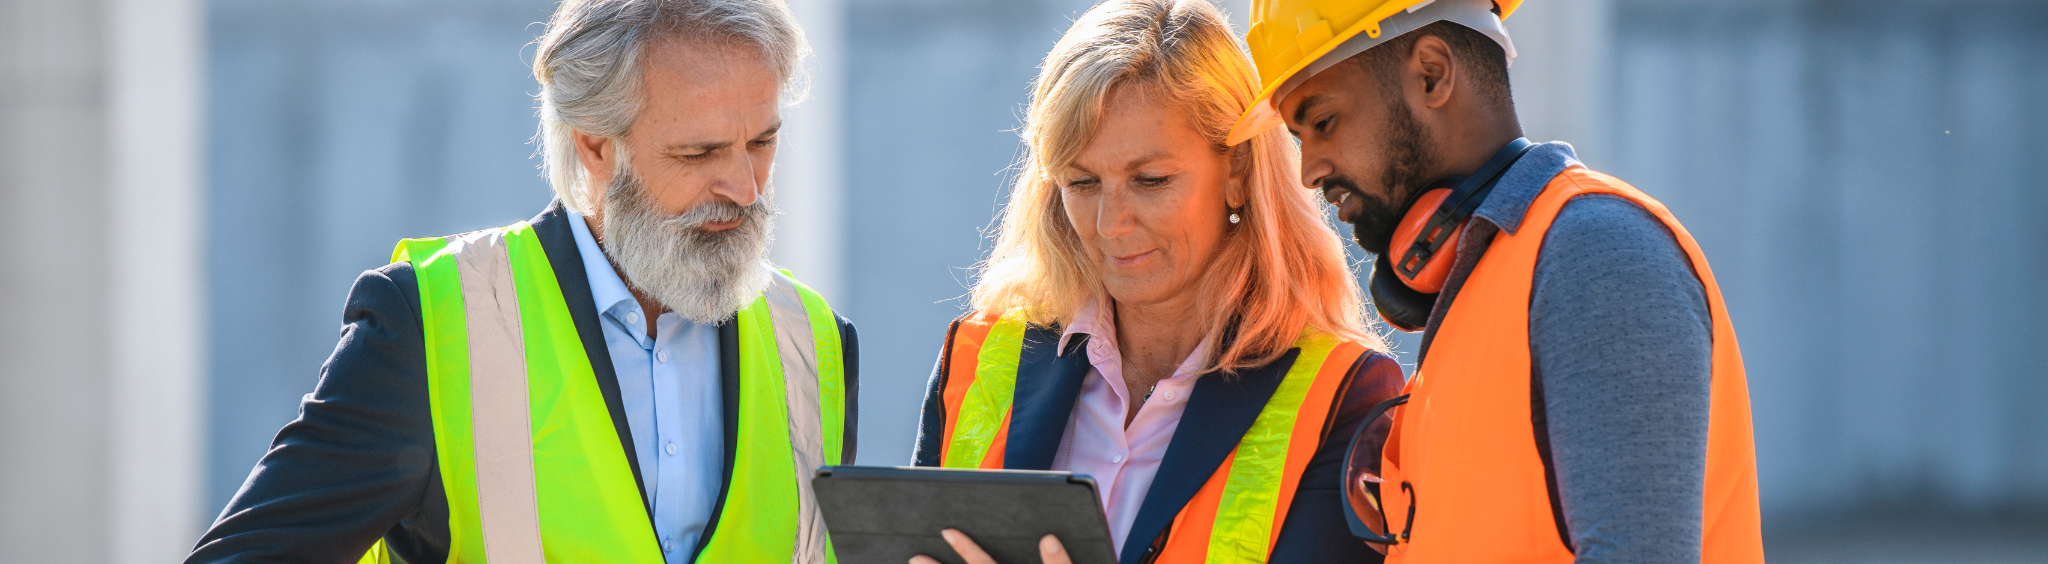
(880, 515)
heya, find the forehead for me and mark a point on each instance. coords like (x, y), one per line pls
(691, 80)
(1136, 125)
(1338, 85)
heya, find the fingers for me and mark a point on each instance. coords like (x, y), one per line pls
(969, 551)
(1052, 552)
(1049, 550)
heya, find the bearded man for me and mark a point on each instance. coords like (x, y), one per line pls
(621, 378)
(1579, 395)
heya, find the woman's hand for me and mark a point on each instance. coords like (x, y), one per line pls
(1049, 550)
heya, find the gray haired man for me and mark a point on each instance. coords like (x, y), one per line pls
(621, 378)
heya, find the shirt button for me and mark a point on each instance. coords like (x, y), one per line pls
(661, 355)
(1118, 459)
(672, 449)
(1169, 395)
(633, 317)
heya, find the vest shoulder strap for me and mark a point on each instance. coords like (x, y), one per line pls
(1238, 514)
(981, 382)
(807, 345)
(791, 421)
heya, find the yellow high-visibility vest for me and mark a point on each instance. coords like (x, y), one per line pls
(529, 455)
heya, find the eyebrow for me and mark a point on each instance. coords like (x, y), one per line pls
(709, 146)
(1141, 160)
(1310, 102)
(1147, 158)
(698, 147)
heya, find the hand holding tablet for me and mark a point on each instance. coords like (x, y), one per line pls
(1049, 550)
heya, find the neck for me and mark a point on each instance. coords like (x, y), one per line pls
(1468, 143)
(1155, 338)
(650, 308)
(1152, 339)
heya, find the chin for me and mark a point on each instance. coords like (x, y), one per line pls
(1135, 289)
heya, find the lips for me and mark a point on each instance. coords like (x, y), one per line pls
(1131, 260)
(1348, 202)
(716, 226)
(1334, 195)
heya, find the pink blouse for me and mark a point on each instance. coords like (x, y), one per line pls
(1123, 460)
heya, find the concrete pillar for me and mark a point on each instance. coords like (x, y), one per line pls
(158, 335)
(99, 292)
(54, 306)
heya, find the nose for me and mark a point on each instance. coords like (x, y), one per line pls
(1314, 171)
(1113, 216)
(739, 182)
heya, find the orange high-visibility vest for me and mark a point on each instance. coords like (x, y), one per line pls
(1237, 515)
(1463, 450)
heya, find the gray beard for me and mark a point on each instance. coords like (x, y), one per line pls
(703, 276)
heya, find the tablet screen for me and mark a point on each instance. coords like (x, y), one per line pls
(887, 515)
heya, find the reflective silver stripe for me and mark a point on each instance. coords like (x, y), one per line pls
(498, 404)
(795, 347)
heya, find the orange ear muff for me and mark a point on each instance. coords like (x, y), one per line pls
(1425, 267)
(1405, 282)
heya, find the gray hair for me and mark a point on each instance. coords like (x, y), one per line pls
(588, 65)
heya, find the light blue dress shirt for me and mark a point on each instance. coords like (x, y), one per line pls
(669, 384)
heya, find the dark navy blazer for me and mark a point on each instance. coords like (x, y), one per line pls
(1216, 417)
(358, 464)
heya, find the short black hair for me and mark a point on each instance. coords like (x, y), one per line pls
(1484, 62)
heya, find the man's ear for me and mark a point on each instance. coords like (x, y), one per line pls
(598, 158)
(1431, 66)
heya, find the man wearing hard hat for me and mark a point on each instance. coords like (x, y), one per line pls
(1579, 393)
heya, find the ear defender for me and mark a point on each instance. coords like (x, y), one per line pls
(1404, 308)
(1404, 286)
(1406, 280)
(1425, 261)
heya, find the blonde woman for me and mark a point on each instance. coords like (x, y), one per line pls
(1167, 314)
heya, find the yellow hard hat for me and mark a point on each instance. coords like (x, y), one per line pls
(1288, 37)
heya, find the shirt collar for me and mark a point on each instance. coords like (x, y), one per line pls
(1518, 187)
(606, 288)
(1086, 319)
(1094, 319)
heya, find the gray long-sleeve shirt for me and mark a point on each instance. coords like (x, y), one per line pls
(1621, 342)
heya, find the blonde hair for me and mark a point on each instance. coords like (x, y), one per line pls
(1278, 271)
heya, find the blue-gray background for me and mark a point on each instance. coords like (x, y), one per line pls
(1864, 175)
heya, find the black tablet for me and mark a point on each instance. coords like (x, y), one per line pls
(886, 515)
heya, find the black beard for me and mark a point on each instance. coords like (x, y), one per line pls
(1373, 227)
(1407, 162)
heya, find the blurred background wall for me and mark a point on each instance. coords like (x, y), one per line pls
(102, 288)
(194, 184)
